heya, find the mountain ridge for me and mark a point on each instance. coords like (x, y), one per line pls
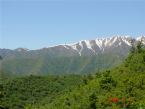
(87, 42)
(80, 58)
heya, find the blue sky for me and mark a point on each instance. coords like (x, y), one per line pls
(35, 24)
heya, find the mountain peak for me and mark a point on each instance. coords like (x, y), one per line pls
(93, 47)
(100, 44)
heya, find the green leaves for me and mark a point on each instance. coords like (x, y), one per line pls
(36, 90)
(125, 85)
(107, 82)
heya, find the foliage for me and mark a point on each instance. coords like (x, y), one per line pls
(35, 90)
(122, 87)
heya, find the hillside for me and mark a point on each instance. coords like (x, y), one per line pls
(122, 87)
(16, 93)
(84, 57)
(117, 88)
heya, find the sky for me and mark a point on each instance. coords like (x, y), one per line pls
(35, 24)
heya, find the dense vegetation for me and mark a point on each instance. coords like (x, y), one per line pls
(122, 87)
(17, 93)
(119, 88)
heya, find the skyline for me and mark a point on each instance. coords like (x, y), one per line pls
(74, 43)
(37, 24)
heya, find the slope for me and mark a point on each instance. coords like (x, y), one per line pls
(119, 88)
(80, 58)
(16, 93)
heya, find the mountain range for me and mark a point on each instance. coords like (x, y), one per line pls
(79, 58)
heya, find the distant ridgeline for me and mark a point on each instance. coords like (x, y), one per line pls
(122, 87)
(83, 57)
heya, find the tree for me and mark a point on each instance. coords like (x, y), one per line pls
(67, 102)
(1, 97)
(132, 45)
(139, 46)
(107, 82)
(93, 100)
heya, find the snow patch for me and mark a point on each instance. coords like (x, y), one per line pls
(99, 43)
(127, 42)
(65, 46)
(74, 47)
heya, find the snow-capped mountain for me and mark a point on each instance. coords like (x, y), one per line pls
(80, 58)
(99, 45)
(93, 47)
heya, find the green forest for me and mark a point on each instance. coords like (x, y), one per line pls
(122, 87)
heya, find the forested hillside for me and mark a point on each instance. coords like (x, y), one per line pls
(122, 87)
(17, 93)
(119, 88)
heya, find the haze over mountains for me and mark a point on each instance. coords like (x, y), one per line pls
(80, 58)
